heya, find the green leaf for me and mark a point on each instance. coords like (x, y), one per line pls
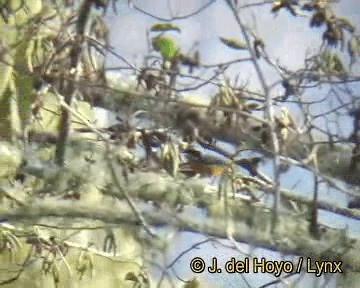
(6, 70)
(9, 117)
(163, 27)
(166, 46)
(233, 43)
(23, 11)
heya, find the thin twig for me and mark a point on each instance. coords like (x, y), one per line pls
(269, 114)
(173, 18)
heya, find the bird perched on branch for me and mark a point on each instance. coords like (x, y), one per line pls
(205, 164)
